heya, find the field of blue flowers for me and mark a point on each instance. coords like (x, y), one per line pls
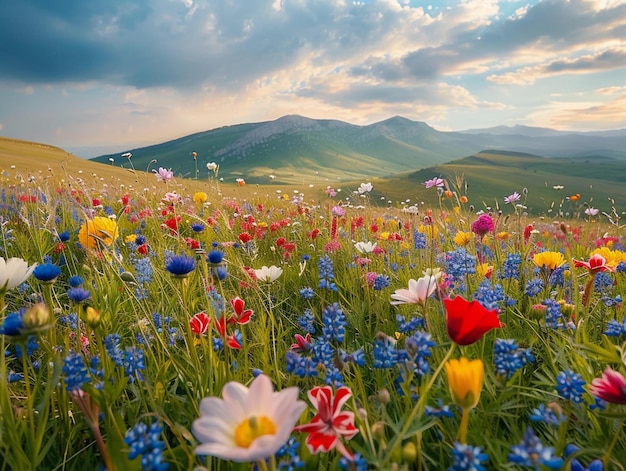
(160, 330)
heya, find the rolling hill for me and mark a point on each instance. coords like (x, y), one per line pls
(295, 147)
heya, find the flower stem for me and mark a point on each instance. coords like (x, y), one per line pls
(462, 437)
(418, 409)
(607, 455)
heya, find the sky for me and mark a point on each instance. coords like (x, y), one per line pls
(102, 76)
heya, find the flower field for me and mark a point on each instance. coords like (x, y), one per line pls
(161, 330)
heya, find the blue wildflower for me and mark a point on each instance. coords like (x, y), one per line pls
(305, 322)
(180, 265)
(112, 346)
(615, 329)
(511, 266)
(489, 296)
(439, 411)
(145, 441)
(419, 240)
(534, 287)
(46, 272)
(75, 371)
(509, 358)
(300, 366)
(78, 294)
(385, 353)
(357, 463)
(459, 263)
(548, 415)
(215, 257)
(467, 457)
(531, 452)
(404, 326)
(133, 362)
(569, 385)
(75, 281)
(334, 323)
(575, 465)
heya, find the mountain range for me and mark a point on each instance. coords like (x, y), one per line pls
(292, 147)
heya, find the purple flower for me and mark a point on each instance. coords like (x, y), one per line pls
(512, 198)
(164, 174)
(438, 182)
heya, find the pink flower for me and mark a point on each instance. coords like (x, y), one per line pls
(302, 344)
(438, 182)
(330, 424)
(512, 198)
(242, 316)
(596, 263)
(164, 174)
(199, 323)
(610, 388)
(483, 225)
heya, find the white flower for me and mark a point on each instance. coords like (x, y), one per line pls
(365, 188)
(418, 291)
(247, 424)
(269, 274)
(211, 166)
(592, 211)
(13, 272)
(365, 247)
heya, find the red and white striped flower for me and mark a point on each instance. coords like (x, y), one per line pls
(330, 424)
(242, 316)
(199, 323)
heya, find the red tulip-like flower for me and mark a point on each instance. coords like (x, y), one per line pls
(610, 388)
(330, 423)
(596, 264)
(468, 321)
(199, 323)
(242, 316)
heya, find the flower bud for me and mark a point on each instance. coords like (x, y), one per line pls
(90, 316)
(36, 318)
(409, 452)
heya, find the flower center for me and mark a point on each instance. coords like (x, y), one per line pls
(252, 428)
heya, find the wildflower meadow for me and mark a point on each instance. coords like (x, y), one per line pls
(161, 330)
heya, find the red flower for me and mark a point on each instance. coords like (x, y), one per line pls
(596, 263)
(467, 321)
(199, 323)
(231, 340)
(330, 423)
(610, 388)
(244, 237)
(241, 316)
(302, 344)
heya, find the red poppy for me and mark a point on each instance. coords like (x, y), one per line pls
(468, 321)
(242, 316)
(199, 323)
(330, 423)
(610, 388)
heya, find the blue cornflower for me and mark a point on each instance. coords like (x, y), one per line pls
(357, 463)
(404, 326)
(180, 265)
(534, 287)
(47, 272)
(197, 226)
(509, 358)
(305, 322)
(531, 452)
(307, 293)
(419, 240)
(140, 240)
(78, 294)
(299, 365)
(334, 323)
(215, 257)
(439, 411)
(76, 373)
(64, 236)
(219, 272)
(548, 415)
(489, 296)
(467, 458)
(75, 281)
(13, 324)
(510, 267)
(133, 362)
(144, 441)
(569, 385)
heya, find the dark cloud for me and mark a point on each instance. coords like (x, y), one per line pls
(228, 45)
(610, 59)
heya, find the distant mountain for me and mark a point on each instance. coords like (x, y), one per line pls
(294, 146)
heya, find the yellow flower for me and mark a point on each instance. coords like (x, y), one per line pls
(462, 238)
(130, 238)
(612, 257)
(384, 235)
(503, 235)
(200, 197)
(548, 259)
(465, 379)
(483, 269)
(429, 229)
(97, 232)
